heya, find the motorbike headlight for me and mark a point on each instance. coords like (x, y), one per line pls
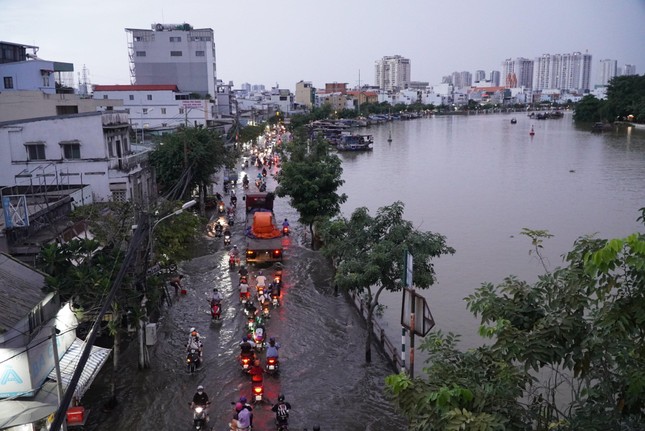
(199, 409)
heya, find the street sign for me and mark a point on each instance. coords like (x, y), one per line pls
(423, 320)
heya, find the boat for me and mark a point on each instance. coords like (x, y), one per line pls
(513, 120)
(601, 127)
(353, 142)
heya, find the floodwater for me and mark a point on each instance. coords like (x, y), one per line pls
(478, 180)
(322, 371)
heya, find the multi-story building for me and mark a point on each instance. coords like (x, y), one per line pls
(392, 73)
(628, 70)
(21, 70)
(89, 149)
(607, 71)
(495, 78)
(173, 54)
(305, 94)
(569, 72)
(480, 75)
(518, 72)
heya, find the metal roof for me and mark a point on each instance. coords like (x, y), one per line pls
(21, 289)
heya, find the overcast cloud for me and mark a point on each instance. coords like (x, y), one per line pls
(285, 41)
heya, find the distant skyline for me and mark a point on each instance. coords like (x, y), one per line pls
(286, 41)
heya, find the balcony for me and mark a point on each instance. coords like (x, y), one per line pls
(130, 162)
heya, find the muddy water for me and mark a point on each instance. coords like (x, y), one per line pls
(321, 359)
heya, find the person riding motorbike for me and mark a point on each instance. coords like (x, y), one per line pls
(244, 291)
(218, 228)
(272, 349)
(200, 398)
(264, 172)
(194, 342)
(247, 347)
(281, 410)
(243, 271)
(285, 223)
(257, 373)
(243, 417)
(216, 298)
(233, 200)
(260, 280)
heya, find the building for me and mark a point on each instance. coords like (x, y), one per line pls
(628, 70)
(305, 94)
(607, 71)
(21, 70)
(174, 54)
(518, 72)
(89, 149)
(480, 75)
(392, 73)
(154, 109)
(567, 72)
(32, 322)
(495, 78)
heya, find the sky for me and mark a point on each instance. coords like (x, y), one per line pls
(285, 41)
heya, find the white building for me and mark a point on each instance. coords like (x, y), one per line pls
(392, 73)
(570, 72)
(158, 108)
(174, 54)
(21, 70)
(607, 71)
(517, 72)
(83, 149)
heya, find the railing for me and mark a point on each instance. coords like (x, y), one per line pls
(130, 162)
(391, 352)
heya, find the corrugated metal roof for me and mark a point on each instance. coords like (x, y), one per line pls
(20, 290)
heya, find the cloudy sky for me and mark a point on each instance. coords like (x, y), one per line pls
(285, 41)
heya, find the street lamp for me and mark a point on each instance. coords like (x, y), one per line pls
(144, 360)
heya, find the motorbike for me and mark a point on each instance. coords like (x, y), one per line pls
(193, 361)
(272, 365)
(218, 230)
(221, 207)
(244, 279)
(231, 262)
(259, 337)
(227, 239)
(260, 290)
(285, 230)
(275, 299)
(244, 297)
(230, 219)
(246, 361)
(258, 391)
(200, 417)
(265, 310)
(250, 324)
(263, 188)
(216, 310)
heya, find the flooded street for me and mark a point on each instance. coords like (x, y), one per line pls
(322, 373)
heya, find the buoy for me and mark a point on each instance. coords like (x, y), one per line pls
(532, 132)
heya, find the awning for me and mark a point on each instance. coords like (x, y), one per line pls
(14, 412)
(69, 361)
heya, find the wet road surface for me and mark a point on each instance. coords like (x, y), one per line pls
(322, 373)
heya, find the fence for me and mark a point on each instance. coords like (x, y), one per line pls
(391, 352)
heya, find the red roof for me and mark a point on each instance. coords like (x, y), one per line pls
(161, 87)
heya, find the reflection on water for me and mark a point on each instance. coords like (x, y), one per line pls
(479, 180)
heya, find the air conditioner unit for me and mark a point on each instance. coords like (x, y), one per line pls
(151, 334)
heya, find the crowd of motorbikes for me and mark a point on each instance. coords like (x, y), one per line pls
(259, 295)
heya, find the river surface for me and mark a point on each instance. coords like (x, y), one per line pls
(478, 180)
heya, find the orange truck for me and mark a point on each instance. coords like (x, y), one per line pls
(263, 238)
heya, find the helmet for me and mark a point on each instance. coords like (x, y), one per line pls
(260, 273)
(215, 289)
(243, 399)
(234, 246)
(192, 329)
(200, 388)
(244, 338)
(239, 406)
(281, 398)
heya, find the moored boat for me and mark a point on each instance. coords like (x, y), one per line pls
(352, 142)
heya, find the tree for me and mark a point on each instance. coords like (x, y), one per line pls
(186, 161)
(588, 109)
(310, 176)
(579, 331)
(368, 254)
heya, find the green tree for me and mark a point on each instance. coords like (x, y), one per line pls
(187, 160)
(588, 109)
(579, 330)
(311, 175)
(626, 96)
(368, 254)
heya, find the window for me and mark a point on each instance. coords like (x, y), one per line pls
(149, 96)
(131, 96)
(175, 53)
(145, 111)
(118, 195)
(8, 82)
(35, 318)
(175, 39)
(199, 53)
(141, 53)
(71, 150)
(45, 80)
(35, 151)
(181, 110)
(163, 111)
(105, 96)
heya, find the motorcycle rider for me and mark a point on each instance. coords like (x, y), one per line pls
(243, 417)
(216, 298)
(257, 373)
(200, 398)
(244, 290)
(272, 349)
(235, 253)
(194, 342)
(281, 410)
(260, 280)
(218, 228)
(243, 271)
(285, 223)
(233, 199)
(246, 347)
